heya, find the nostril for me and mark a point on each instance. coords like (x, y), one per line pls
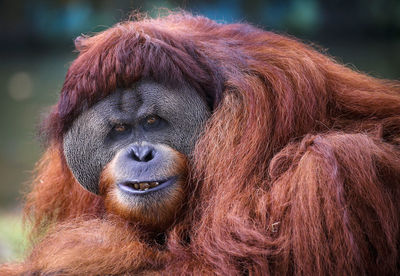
(149, 156)
(135, 157)
(142, 153)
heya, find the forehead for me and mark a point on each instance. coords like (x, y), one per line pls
(147, 97)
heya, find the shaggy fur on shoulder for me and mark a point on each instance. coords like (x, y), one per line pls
(297, 172)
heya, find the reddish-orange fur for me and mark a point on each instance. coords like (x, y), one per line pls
(297, 172)
(55, 195)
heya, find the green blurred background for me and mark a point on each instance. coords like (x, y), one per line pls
(36, 47)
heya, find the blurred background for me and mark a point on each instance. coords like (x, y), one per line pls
(36, 48)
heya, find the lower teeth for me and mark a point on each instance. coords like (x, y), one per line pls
(144, 186)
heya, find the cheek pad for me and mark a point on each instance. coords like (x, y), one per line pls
(86, 153)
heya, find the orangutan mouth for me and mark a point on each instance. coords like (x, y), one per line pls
(144, 187)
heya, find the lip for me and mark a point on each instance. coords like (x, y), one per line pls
(125, 186)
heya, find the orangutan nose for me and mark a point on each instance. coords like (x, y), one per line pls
(142, 153)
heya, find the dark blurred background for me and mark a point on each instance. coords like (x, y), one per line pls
(36, 47)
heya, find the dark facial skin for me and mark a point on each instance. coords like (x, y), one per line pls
(138, 134)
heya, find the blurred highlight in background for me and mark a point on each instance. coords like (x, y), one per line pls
(36, 47)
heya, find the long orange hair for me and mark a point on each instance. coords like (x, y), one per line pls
(297, 171)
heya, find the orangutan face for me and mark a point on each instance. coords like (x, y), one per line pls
(132, 148)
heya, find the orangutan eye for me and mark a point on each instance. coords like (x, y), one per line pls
(151, 120)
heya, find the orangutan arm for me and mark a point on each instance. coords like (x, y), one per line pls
(92, 247)
(341, 211)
